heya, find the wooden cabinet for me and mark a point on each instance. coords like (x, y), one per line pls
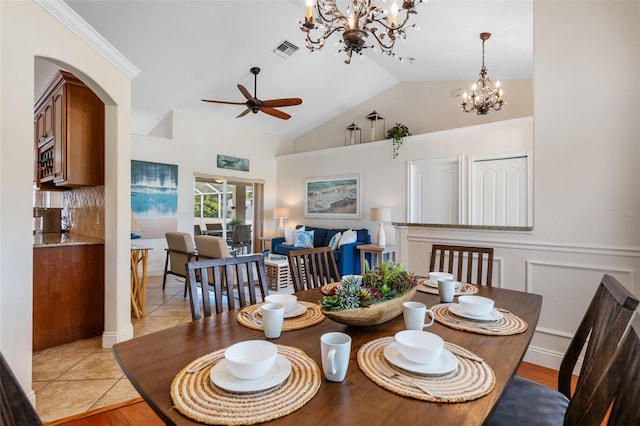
(68, 294)
(69, 135)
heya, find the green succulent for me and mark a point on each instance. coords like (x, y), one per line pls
(386, 282)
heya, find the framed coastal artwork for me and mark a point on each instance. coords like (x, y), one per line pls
(233, 163)
(154, 198)
(333, 197)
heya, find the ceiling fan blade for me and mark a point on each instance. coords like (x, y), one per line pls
(223, 102)
(275, 113)
(243, 113)
(282, 102)
(245, 92)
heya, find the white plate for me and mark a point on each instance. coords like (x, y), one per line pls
(446, 362)
(296, 312)
(434, 284)
(494, 315)
(222, 377)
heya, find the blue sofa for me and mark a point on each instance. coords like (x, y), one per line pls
(347, 256)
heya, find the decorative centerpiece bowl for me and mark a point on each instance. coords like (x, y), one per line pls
(372, 299)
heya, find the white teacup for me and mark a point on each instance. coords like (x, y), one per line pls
(289, 301)
(414, 314)
(272, 319)
(335, 348)
(446, 290)
(420, 347)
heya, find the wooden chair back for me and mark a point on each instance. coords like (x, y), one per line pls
(197, 230)
(617, 389)
(312, 268)
(233, 277)
(15, 407)
(468, 264)
(601, 329)
(180, 250)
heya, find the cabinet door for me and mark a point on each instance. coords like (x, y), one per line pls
(60, 137)
(48, 120)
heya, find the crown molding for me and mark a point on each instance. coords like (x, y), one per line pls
(70, 19)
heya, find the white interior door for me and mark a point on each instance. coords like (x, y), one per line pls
(434, 191)
(500, 192)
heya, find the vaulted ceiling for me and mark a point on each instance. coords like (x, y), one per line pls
(190, 50)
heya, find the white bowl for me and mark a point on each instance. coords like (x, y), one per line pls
(435, 276)
(289, 301)
(419, 346)
(476, 305)
(251, 359)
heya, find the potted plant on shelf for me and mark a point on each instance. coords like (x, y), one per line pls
(370, 299)
(396, 133)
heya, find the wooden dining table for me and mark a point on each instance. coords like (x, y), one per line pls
(152, 361)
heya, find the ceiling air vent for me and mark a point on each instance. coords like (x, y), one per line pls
(285, 49)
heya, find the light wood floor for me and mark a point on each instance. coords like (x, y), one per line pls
(137, 412)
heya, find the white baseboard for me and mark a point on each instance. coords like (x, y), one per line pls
(110, 338)
(548, 359)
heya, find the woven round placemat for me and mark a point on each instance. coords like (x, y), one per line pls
(465, 289)
(196, 397)
(508, 325)
(312, 316)
(471, 380)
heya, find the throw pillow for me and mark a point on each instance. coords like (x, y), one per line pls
(304, 239)
(348, 236)
(335, 240)
(289, 237)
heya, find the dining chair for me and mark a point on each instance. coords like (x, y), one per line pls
(312, 268)
(232, 277)
(15, 407)
(241, 238)
(617, 389)
(210, 247)
(600, 331)
(465, 263)
(197, 230)
(180, 250)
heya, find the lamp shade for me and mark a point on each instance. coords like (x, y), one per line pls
(381, 214)
(281, 212)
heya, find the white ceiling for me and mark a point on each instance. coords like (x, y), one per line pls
(189, 50)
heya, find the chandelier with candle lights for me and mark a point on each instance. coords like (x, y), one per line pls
(485, 96)
(363, 24)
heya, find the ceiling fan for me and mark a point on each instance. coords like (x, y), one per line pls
(254, 104)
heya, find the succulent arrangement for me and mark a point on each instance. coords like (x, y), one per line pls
(387, 281)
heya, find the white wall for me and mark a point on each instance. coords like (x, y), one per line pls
(423, 106)
(383, 178)
(28, 31)
(586, 153)
(197, 139)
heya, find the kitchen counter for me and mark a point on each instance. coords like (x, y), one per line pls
(52, 239)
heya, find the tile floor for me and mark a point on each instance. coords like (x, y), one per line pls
(81, 376)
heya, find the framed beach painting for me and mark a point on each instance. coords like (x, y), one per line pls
(333, 197)
(154, 198)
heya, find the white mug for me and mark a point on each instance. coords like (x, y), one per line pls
(272, 319)
(446, 290)
(414, 314)
(336, 349)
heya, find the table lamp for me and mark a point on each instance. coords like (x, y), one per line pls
(381, 215)
(281, 213)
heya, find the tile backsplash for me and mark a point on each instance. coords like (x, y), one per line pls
(83, 211)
